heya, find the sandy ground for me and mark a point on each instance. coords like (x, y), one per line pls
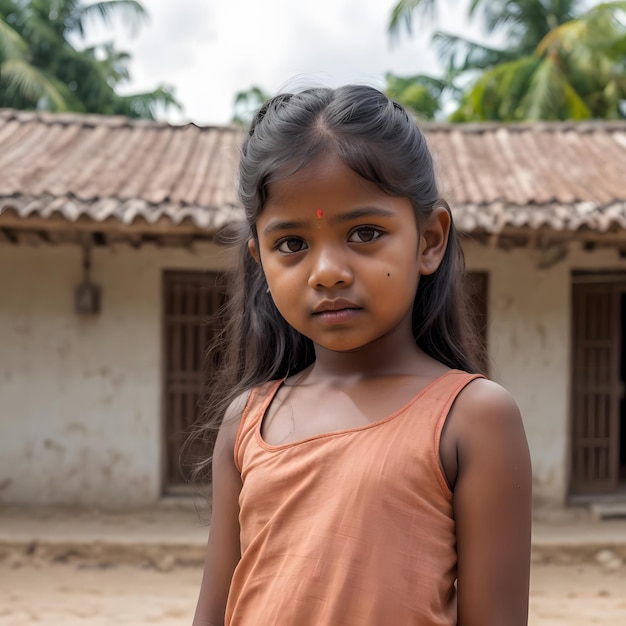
(92, 595)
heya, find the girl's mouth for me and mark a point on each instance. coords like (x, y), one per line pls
(338, 316)
(338, 304)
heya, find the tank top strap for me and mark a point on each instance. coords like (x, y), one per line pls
(443, 391)
(256, 407)
(435, 405)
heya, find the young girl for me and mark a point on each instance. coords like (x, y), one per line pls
(364, 473)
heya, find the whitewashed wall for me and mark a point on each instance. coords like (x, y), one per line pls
(529, 343)
(80, 412)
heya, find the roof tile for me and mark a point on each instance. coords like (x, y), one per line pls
(562, 176)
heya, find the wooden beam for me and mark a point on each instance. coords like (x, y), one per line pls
(61, 237)
(5, 237)
(175, 241)
(69, 235)
(8, 219)
(28, 237)
(613, 238)
(534, 239)
(135, 240)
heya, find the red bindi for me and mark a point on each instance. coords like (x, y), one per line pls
(319, 213)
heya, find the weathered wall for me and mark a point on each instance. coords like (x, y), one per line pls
(529, 344)
(80, 413)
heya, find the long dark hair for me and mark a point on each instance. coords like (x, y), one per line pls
(376, 138)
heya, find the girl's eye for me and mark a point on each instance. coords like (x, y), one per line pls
(364, 234)
(291, 245)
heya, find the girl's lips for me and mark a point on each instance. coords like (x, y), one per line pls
(335, 305)
(338, 316)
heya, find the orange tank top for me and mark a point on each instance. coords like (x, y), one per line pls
(353, 527)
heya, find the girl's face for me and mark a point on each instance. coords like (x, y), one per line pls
(341, 258)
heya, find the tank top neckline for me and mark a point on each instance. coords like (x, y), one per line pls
(336, 433)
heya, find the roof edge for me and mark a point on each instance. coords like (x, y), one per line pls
(583, 126)
(91, 120)
(119, 121)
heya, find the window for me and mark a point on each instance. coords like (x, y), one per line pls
(190, 304)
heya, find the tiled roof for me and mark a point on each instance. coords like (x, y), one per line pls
(114, 168)
(561, 176)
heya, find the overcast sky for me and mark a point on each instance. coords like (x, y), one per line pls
(210, 49)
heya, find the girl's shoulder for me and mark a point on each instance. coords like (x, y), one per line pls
(486, 399)
(484, 415)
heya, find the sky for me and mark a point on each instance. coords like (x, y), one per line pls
(208, 50)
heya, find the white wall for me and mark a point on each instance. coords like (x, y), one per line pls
(80, 411)
(529, 344)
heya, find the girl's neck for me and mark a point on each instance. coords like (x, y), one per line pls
(395, 355)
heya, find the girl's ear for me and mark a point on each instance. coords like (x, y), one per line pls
(254, 250)
(433, 240)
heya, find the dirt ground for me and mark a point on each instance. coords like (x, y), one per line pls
(95, 595)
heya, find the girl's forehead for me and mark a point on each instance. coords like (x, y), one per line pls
(327, 192)
(325, 175)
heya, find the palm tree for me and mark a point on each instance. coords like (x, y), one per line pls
(524, 23)
(40, 68)
(577, 71)
(540, 74)
(19, 78)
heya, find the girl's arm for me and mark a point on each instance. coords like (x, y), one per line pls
(223, 551)
(492, 507)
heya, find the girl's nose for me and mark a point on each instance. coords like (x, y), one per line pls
(329, 269)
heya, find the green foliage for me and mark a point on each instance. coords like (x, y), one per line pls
(247, 103)
(577, 71)
(402, 14)
(40, 68)
(421, 94)
(559, 62)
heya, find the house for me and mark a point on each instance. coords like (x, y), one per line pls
(111, 273)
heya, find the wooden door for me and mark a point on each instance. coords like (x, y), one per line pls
(596, 386)
(190, 304)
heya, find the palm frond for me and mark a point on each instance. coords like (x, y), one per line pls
(12, 46)
(611, 7)
(403, 12)
(599, 28)
(32, 84)
(551, 97)
(462, 54)
(39, 32)
(148, 105)
(497, 93)
(247, 103)
(474, 7)
(112, 63)
(422, 94)
(133, 12)
(564, 36)
(617, 49)
(525, 22)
